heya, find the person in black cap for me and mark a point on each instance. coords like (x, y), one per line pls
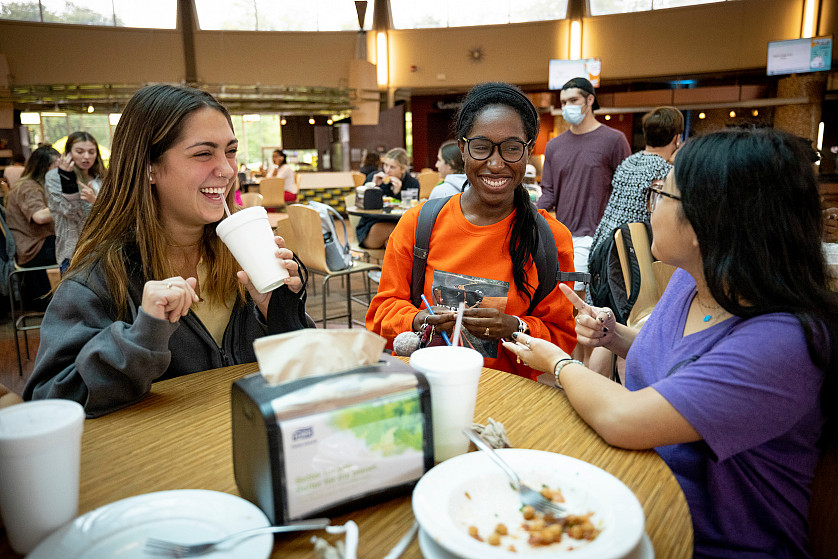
(578, 167)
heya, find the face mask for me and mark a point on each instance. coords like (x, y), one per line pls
(573, 114)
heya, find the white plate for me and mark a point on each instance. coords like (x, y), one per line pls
(119, 530)
(432, 550)
(471, 490)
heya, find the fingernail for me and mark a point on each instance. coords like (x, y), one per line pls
(515, 335)
(605, 329)
(601, 319)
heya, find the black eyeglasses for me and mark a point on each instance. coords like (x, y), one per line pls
(653, 196)
(510, 151)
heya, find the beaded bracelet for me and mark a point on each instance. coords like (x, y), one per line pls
(561, 364)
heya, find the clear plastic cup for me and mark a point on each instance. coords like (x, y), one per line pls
(453, 373)
(248, 235)
(40, 457)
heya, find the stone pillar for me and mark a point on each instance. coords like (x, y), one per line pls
(801, 120)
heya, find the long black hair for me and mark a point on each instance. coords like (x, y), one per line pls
(523, 239)
(752, 199)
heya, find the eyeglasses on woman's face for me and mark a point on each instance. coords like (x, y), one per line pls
(654, 194)
(481, 149)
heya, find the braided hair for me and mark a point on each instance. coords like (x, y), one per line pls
(523, 238)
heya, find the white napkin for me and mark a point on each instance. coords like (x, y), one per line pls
(312, 352)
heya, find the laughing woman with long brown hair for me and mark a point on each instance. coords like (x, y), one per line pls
(152, 292)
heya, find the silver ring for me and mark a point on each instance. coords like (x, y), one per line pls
(608, 313)
(169, 285)
(577, 320)
(528, 345)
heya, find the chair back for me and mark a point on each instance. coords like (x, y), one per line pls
(823, 508)
(359, 178)
(348, 202)
(286, 231)
(654, 276)
(273, 192)
(308, 237)
(250, 199)
(427, 182)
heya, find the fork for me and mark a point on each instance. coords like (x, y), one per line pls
(154, 546)
(528, 495)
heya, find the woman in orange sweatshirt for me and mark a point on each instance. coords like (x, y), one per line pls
(482, 243)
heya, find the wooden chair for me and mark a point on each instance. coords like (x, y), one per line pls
(427, 182)
(250, 199)
(359, 178)
(654, 276)
(376, 254)
(311, 249)
(286, 231)
(273, 192)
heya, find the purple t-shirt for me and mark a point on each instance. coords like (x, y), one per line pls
(751, 391)
(577, 174)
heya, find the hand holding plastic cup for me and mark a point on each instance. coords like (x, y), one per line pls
(40, 457)
(248, 235)
(452, 373)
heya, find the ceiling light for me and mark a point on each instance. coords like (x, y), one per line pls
(607, 117)
(311, 120)
(329, 121)
(732, 114)
(90, 108)
(30, 118)
(282, 121)
(702, 116)
(755, 112)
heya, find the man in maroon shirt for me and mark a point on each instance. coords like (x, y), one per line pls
(578, 167)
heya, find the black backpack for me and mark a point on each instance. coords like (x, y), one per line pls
(607, 287)
(544, 259)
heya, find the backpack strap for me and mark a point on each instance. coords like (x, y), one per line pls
(549, 260)
(424, 226)
(545, 260)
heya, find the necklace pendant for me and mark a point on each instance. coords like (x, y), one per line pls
(707, 317)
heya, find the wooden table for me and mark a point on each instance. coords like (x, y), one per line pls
(393, 214)
(178, 437)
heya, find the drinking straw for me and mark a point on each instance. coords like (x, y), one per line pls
(459, 323)
(226, 209)
(430, 310)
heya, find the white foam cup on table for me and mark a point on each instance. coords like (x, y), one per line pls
(248, 235)
(452, 373)
(40, 456)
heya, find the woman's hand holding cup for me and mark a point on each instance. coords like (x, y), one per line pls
(293, 281)
(169, 299)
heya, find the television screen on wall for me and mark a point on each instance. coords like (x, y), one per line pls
(799, 55)
(560, 71)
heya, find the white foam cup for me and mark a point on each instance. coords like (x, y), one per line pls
(248, 235)
(40, 456)
(452, 373)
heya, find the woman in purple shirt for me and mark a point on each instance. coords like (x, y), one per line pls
(732, 376)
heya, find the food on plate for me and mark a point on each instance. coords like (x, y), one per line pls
(540, 529)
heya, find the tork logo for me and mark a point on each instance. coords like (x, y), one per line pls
(304, 433)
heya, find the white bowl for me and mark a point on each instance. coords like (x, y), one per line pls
(471, 490)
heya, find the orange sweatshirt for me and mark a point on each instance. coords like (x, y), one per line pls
(467, 258)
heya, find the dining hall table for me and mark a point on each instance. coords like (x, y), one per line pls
(179, 437)
(393, 214)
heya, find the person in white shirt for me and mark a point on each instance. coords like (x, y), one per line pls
(281, 169)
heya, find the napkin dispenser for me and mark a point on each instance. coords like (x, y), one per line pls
(324, 445)
(369, 197)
